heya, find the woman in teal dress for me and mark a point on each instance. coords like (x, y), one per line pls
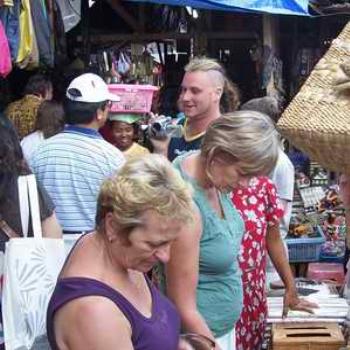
(203, 277)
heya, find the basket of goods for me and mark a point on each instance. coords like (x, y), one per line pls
(304, 240)
(133, 98)
(318, 119)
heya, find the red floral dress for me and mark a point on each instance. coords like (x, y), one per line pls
(259, 209)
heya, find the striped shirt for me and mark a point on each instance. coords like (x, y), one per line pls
(71, 166)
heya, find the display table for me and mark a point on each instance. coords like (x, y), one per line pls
(332, 307)
(332, 311)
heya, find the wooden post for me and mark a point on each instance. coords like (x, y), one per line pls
(270, 39)
(270, 32)
(200, 37)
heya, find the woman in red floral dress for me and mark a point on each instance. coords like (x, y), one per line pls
(261, 212)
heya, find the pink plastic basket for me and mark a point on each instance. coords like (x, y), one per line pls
(133, 98)
(326, 271)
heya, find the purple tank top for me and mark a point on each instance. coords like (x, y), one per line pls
(159, 332)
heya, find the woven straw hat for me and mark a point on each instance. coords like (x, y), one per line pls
(318, 119)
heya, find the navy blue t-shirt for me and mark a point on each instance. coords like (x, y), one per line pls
(178, 145)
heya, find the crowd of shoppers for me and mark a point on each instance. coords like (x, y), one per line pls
(205, 224)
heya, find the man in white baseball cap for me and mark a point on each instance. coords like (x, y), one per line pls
(72, 164)
(90, 88)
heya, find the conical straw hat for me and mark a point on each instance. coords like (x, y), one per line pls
(317, 121)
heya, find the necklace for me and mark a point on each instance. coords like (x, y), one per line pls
(191, 138)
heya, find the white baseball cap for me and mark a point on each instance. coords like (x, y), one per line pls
(91, 88)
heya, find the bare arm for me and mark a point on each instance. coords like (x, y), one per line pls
(182, 278)
(91, 323)
(277, 254)
(51, 228)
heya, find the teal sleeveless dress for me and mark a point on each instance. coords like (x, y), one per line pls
(219, 290)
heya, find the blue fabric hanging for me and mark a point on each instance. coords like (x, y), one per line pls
(282, 7)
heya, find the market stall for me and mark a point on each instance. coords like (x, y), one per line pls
(318, 231)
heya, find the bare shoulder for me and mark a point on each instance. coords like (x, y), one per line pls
(191, 231)
(189, 164)
(92, 322)
(185, 249)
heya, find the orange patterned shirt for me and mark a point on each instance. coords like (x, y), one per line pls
(22, 114)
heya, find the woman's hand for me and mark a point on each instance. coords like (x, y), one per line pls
(291, 301)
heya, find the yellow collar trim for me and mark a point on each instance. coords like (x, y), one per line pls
(191, 138)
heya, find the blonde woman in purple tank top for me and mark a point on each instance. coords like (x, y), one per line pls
(103, 299)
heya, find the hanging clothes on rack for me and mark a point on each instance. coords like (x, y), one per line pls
(35, 32)
(71, 13)
(57, 33)
(43, 32)
(5, 57)
(9, 15)
(28, 55)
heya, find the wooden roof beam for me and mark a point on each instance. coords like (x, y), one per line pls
(125, 15)
(148, 37)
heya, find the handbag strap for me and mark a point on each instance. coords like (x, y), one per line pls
(23, 204)
(27, 188)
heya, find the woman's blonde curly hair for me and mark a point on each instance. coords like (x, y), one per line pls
(146, 183)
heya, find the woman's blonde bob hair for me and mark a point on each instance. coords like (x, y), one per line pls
(245, 137)
(146, 183)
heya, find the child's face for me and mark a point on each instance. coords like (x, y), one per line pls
(123, 134)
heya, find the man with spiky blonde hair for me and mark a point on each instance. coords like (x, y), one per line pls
(205, 93)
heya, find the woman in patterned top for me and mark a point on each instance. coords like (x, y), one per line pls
(261, 213)
(23, 112)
